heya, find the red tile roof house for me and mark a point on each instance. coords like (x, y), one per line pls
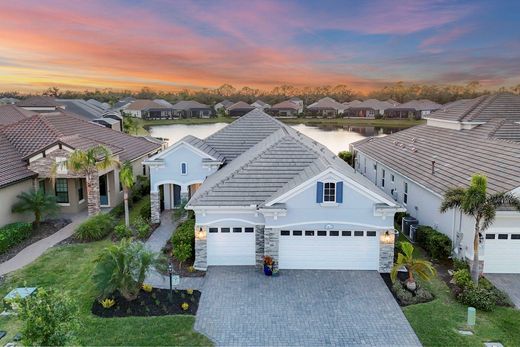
(148, 109)
(288, 109)
(29, 147)
(239, 109)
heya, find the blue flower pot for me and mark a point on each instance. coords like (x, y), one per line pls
(267, 270)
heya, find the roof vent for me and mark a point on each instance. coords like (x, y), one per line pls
(414, 139)
(414, 149)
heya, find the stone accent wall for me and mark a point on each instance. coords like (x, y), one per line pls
(155, 204)
(386, 253)
(260, 245)
(271, 244)
(201, 251)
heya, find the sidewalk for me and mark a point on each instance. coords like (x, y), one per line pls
(32, 252)
(156, 242)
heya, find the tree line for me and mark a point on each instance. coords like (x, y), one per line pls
(400, 92)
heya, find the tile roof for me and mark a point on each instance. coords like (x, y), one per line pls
(203, 146)
(326, 104)
(458, 154)
(240, 105)
(287, 104)
(140, 105)
(372, 104)
(260, 102)
(419, 105)
(481, 109)
(189, 104)
(11, 114)
(31, 135)
(163, 102)
(82, 108)
(38, 101)
(226, 103)
(278, 163)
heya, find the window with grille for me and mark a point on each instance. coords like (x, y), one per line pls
(62, 191)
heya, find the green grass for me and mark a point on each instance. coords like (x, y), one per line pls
(69, 268)
(398, 123)
(436, 322)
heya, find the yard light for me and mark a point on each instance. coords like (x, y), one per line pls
(170, 272)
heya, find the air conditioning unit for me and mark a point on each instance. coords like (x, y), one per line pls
(406, 223)
(413, 232)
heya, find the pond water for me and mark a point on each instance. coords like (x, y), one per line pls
(336, 138)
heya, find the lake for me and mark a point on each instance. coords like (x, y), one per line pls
(336, 138)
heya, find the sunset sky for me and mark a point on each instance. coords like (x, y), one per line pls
(175, 44)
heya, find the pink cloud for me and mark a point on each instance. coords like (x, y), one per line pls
(435, 42)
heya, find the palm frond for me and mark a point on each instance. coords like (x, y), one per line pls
(453, 198)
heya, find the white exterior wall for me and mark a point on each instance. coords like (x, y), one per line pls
(229, 218)
(133, 113)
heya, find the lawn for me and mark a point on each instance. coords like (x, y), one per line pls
(68, 268)
(436, 322)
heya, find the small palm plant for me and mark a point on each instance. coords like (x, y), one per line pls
(126, 177)
(475, 202)
(423, 268)
(123, 267)
(37, 202)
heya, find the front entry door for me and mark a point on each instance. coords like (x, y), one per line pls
(103, 190)
(176, 195)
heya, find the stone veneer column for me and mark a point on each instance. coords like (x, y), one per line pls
(260, 246)
(386, 252)
(201, 250)
(271, 238)
(155, 205)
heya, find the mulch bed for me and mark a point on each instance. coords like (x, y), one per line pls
(156, 303)
(47, 228)
(177, 268)
(401, 276)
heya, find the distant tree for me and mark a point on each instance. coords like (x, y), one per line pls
(53, 92)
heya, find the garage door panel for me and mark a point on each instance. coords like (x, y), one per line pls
(329, 252)
(231, 248)
(502, 255)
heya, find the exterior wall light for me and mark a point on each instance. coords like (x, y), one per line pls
(200, 234)
(387, 237)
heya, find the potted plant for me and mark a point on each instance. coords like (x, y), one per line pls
(268, 265)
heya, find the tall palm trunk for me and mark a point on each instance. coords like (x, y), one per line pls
(127, 213)
(475, 267)
(93, 203)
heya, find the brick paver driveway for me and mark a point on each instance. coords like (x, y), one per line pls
(509, 283)
(242, 307)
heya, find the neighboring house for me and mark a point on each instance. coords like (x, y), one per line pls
(224, 104)
(352, 103)
(287, 108)
(40, 104)
(8, 101)
(30, 147)
(102, 105)
(326, 107)
(163, 102)
(148, 109)
(192, 109)
(415, 109)
(239, 109)
(297, 101)
(123, 103)
(82, 108)
(11, 114)
(416, 166)
(260, 188)
(370, 108)
(261, 105)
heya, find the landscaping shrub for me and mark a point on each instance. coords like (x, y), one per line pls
(398, 218)
(182, 252)
(48, 318)
(185, 233)
(118, 211)
(146, 210)
(459, 264)
(122, 231)
(141, 226)
(95, 228)
(14, 233)
(462, 278)
(140, 188)
(406, 297)
(478, 297)
(435, 243)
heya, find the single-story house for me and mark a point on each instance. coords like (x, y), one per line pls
(148, 109)
(326, 107)
(102, 105)
(224, 104)
(29, 148)
(260, 188)
(123, 103)
(11, 114)
(163, 102)
(239, 109)
(192, 109)
(370, 108)
(418, 165)
(415, 109)
(8, 101)
(40, 104)
(287, 108)
(261, 105)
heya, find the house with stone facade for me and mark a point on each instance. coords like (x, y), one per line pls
(418, 165)
(32, 143)
(260, 188)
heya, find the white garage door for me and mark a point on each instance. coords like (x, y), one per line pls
(502, 253)
(231, 246)
(329, 249)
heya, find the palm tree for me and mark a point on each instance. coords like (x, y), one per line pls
(422, 268)
(88, 163)
(38, 203)
(475, 202)
(126, 177)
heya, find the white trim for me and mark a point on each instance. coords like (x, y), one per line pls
(328, 221)
(177, 144)
(155, 187)
(231, 220)
(355, 185)
(65, 204)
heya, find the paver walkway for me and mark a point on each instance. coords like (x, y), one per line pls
(509, 283)
(242, 307)
(156, 242)
(33, 251)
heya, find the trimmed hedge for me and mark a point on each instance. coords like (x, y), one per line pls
(14, 233)
(185, 233)
(95, 228)
(435, 243)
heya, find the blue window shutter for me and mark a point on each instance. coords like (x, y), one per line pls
(319, 192)
(339, 192)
